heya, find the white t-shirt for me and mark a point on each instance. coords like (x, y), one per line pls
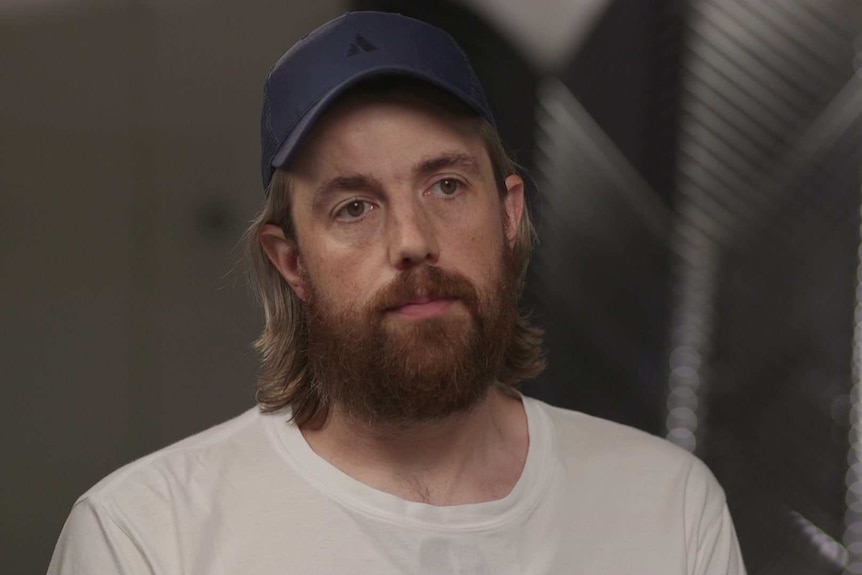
(250, 497)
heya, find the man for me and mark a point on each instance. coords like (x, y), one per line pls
(389, 438)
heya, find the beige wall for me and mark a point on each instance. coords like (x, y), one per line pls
(129, 168)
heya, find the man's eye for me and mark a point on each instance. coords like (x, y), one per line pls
(448, 186)
(354, 209)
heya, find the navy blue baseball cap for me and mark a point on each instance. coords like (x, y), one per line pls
(353, 47)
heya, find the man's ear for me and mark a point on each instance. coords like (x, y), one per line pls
(284, 255)
(513, 203)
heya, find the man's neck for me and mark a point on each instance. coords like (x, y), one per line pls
(469, 457)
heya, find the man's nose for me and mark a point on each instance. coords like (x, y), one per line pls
(412, 237)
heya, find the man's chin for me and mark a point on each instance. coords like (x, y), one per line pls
(413, 336)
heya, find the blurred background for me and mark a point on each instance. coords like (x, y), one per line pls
(697, 167)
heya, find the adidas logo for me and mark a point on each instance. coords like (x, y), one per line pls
(358, 45)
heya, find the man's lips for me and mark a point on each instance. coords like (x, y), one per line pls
(423, 308)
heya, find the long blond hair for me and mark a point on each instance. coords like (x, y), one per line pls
(285, 378)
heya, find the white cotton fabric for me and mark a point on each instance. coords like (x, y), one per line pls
(250, 497)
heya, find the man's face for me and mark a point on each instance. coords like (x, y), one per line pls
(403, 259)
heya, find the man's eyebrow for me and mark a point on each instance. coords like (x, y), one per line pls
(351, 183)
(460, 160)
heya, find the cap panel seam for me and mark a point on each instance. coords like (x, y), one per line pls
(269, 117)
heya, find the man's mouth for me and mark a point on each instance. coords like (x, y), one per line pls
(423, 308)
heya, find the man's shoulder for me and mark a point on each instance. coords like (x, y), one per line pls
(180, 497)
(611, 478)
(631, 464)
(180, 462)
(581, 438)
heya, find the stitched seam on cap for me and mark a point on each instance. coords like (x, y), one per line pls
(269, 118)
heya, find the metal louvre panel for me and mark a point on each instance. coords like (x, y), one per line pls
(605, 128)
(765, 238)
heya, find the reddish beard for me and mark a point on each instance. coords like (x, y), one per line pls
(384, 370)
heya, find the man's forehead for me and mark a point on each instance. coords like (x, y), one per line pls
(348, 179)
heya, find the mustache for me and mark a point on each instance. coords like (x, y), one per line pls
(422, 282)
